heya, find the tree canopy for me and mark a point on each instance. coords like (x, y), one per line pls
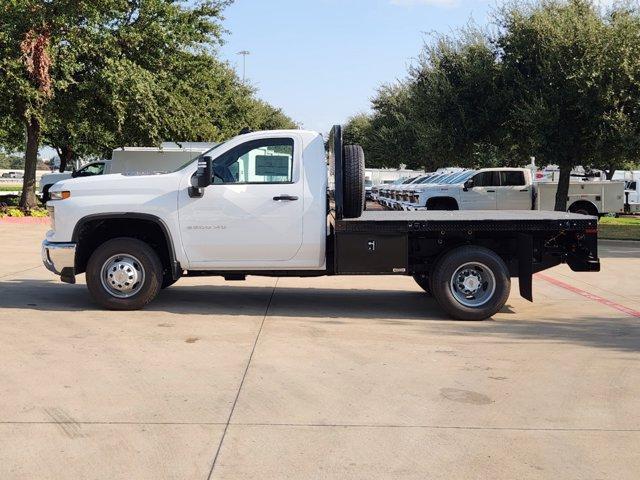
(88, 76)
(556, 80)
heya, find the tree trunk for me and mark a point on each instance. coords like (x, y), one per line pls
(610, 172)
(28, 199)
(563, 188)
(66, 155)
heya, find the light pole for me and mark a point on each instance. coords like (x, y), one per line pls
(244, 54)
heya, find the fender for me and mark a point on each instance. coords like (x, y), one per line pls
(584, 200)
(176, 269)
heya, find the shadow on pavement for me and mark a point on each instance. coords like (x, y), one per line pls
(235, 300)
(602, 332)
(337, 306)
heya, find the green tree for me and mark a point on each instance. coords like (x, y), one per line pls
(570, 70)
(152, 75)
(357, 130)
(48, 47)
(458, 102)
(387, 135)
(449, 111)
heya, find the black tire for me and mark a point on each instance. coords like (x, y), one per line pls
(443, 275)
(582, 208)
(148, 259)
(353, 196)
(424, 282)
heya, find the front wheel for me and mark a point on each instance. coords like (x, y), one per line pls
(124, 274)
(471, 283)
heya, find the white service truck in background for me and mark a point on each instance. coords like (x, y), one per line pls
(130, 160)
(515, 189)
(631, 179)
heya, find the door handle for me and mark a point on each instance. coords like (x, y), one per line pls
(525, 190)
(288, 198)
(491, 191)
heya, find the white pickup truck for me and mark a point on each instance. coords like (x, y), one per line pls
(513, 189)
(261, 204)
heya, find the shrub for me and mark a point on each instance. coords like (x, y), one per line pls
(38, 212)
(15, 212)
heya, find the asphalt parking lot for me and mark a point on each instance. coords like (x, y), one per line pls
(331, 378)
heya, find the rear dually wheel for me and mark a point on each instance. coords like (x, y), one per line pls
(471, 283)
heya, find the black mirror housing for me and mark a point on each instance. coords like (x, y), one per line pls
(204, 174)
(468, 185)
(202, 178)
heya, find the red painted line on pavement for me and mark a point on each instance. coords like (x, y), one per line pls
(590, 296)
(24, 220)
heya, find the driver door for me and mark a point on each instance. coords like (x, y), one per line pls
(252, 214)
(483, 195)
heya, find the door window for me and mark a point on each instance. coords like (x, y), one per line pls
(257, 161)
(512, 179)
(90, 170)
(486, 179)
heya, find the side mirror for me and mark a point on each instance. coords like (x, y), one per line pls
(468, 185)
(202, 178)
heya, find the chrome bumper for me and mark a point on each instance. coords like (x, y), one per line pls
(60, 259)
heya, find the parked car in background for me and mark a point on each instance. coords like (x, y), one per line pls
(368, 188)
(19, 175)
(386, 192)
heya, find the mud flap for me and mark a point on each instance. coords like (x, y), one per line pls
(525, 266)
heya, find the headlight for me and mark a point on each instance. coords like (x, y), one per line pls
(59, 195)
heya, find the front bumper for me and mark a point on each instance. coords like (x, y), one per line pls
(60, 259)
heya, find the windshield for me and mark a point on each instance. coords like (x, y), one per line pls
(426, 179)
(458, 177)
(466, 176)
(208, 152)
(435, 178)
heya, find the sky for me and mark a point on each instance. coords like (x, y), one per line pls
(322, 61)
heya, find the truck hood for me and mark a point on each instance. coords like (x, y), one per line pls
(118, 184)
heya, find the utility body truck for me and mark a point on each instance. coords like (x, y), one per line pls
(263, 204)
(128, 160)
(509, 189)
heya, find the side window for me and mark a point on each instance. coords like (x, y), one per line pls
(486, 179)
(512, 179)
(90, 170)
(258, 161)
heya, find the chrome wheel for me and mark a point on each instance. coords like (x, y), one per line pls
(122, 275)
(473, 284)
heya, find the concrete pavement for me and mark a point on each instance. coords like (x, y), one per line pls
(332, 378)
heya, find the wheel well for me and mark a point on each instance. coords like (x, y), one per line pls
(442, 203)
(93, 232)
(585, 205)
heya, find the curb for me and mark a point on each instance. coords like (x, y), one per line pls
(24, 220)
